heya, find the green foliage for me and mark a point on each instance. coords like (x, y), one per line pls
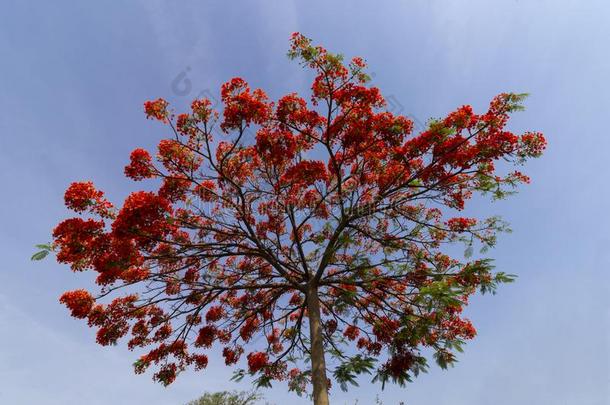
(263, 381)
(440, 294)
(347, 371)
(488, 282)
(238, 375)
(228, 398)
(499, 278)
(514, 101)
(44, 251)
(444, 359)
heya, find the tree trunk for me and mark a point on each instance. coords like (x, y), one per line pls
(318, 364)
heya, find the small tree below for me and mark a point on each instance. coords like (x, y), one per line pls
(228, 398)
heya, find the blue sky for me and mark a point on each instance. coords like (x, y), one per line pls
(73, 78)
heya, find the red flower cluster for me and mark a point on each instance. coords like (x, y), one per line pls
(243, 107)
(462, 118)
(206, 336)
(143, 218)
(399, 363)
(276, 146)
(140, 166)
(351, 332)
(156, 109)
(231, 355)
(83, 196)
(457, 327)
(206, 191)
(202, 109)
(257, 361)
(461, 224)
(532, 144)
(177, 157)
(79, 302)
(305, 173)
(214, 313)
(201, 361)
(76, 239)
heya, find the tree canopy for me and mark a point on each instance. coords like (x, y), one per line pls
(305, 238)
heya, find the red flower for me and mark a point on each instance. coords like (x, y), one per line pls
(462, 118)
(79, 241)
(231, 355)
(79, 302)
(140, 166)
(351, 332)
(275, 147)
(206, 190)
(175, 188)
(143, 218)
(461, 224)
(201, 109)
(248, 329)
(176, 157)
(83, 196)
(214, 314)
(206, 336)
(305, 173)
(201, 361)
(166, 374)
(532, 144)
(156, 109)
(242, 106)
(399, 363)
(257, 361)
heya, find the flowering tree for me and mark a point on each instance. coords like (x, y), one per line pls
(320, 241)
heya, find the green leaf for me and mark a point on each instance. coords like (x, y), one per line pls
(45, 249)
(502, 277)
(347, 372)
(238, 375)
(40, 255)
(263, 381)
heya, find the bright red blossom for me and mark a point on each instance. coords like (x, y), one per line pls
(79, 302)
(231, 356)
(214, 314)
(461, 224)
(140, 166)
(143, 217)
(206, 336)
(201, 109)
(75, 238)
(257, 361)
(156, 109)
(83, 196)
(243, 107)
(351, 332)
(305, 173)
